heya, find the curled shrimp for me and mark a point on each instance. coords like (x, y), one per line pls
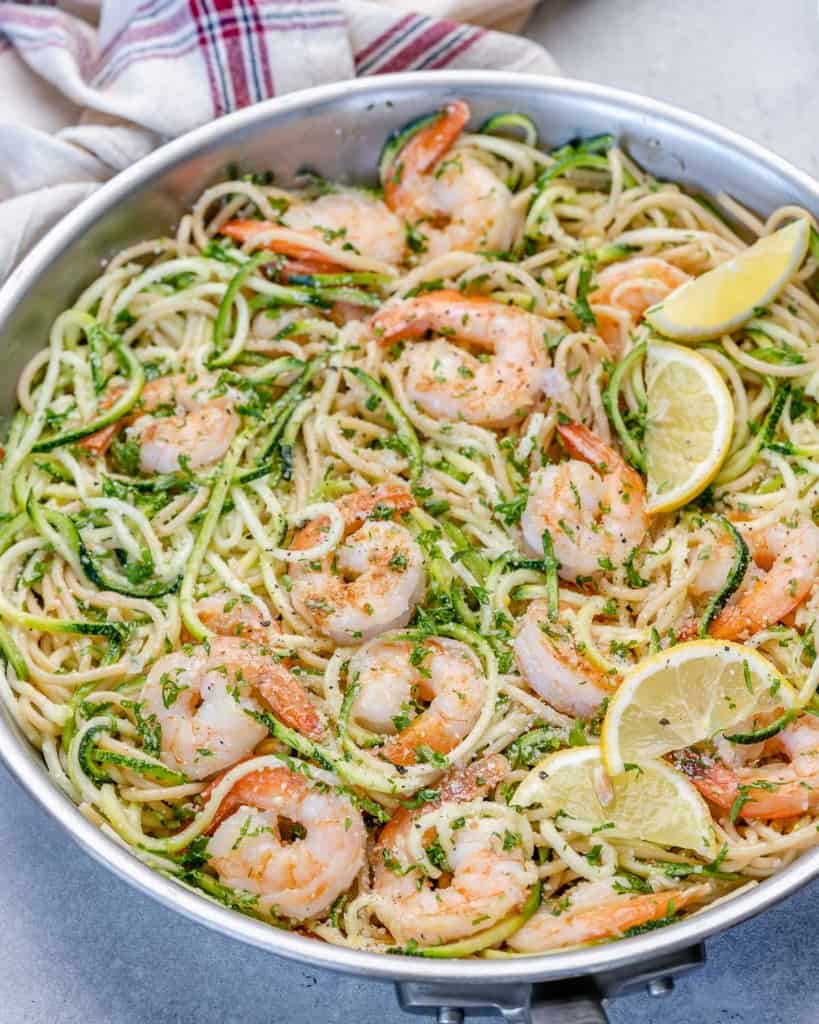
(394, 676)
(550, 662)
(487, 883)
(353, 217)
(196, 426)
(449, 382)
(593, 506)
(296, 875)
(199, 431)
(203, 703)
(372, 581)
(455, 203)
(597, 912)
(786, 558)
(626, 290)
(781, 789)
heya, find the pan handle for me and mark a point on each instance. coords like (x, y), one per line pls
(567, 1001)
(580, 1009)
(516, 1004)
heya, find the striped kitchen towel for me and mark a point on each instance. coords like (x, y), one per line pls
(89, 88)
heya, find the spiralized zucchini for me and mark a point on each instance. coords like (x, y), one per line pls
(231, 427)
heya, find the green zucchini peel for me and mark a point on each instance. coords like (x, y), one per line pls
(612, 403)
(133, 370)
(75, 550)
(491, 937)
(736, 574)
(403, 428)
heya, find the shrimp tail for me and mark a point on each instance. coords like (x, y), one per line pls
(301, 259)
(459, 785)
(412, 318)
(584, 444)
(287, 698)
(474, 781)
(357, 508)
(761, 606)
(423, 151)
(99, 442)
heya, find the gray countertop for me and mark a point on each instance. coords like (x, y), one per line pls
(79, 947)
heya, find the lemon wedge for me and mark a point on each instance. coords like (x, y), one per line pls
(722, 299)
(685, 695)
(689, 425)
(650, 801)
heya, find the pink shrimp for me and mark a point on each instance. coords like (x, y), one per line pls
(626, 290)
(204, 701)
(449, 382)
(455, 204)
(298, 879)
(392, 679)
(200, 429)
(597, 912)
(356, 217)
(488, 880)
(372, 581)
(786, 558)
(553, 666)
(593, 506)
(771, 791)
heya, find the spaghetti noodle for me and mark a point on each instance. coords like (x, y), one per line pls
(274, 507)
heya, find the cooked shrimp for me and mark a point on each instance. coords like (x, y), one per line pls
(451, 383)
(714, 559)
(197, 426)
(552, 665)
(297, 259)
(204, 701)
(626, 290)
(372, 581)
(771, 791)
(296, 875)
(596, 912)
(198, 434)
(394, 675)
(594, 509)
(229, 615)
(456, 204)
(790, 556)
(786, 558)
(487, 883)
(351, 216)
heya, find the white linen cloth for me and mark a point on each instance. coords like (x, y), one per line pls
(89, 88)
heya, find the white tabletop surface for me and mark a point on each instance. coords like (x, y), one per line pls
(80, 947)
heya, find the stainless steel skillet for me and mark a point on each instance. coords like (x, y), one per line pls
(338, 130)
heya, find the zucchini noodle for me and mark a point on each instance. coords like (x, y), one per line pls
(233, 428)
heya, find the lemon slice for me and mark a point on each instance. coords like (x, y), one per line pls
(686, 695)
(723, 298)
(689, 425)
(650, 801)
